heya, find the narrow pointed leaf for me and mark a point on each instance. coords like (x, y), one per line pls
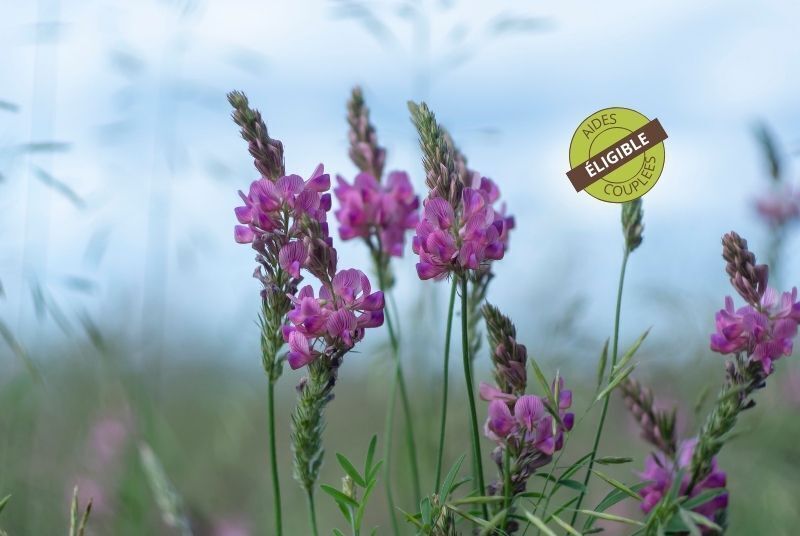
(617, 484)
(628, 355)
(612, 460)
(539, 524)
(611, 517)
(615, 382)
(566, 526)
(447, 484)
(703, 497)
(601, 366)
(338, 496)
(351, 471)
(370, 454)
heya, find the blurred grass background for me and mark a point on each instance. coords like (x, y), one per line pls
(204, 418)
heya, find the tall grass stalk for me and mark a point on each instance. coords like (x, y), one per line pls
(398, 383)
(477, 477)
(445, 381)
(276, 485)
(604, 412)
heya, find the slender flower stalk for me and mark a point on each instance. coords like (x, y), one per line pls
(380, 214)
(445, 381)
(632, 229)
(476, 438)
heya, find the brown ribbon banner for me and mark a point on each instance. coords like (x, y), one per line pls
(617, 155)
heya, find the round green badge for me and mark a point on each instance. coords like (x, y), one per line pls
(616, 155)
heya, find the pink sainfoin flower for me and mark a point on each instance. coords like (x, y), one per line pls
(337, 318)
(370, 208)
(764, 329)
(660, 472)
(467, 239)
(764, 332)
(272, 206)
(779, 207)
(524, 426)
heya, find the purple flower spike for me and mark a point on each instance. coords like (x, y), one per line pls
(660, 471)
(765, 333)
(465, 238)
(368, 207)
(335, 320)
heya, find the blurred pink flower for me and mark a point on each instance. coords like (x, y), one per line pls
(779, 207)
(369, 207)
(231, 527)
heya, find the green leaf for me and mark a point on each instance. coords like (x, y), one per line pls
(693, 529)
(363, 506)
(612, 460)
(370, 454)
(615, 381)
(566, 526)
(351, 471)
(617, 484)
(493, 523)
(478, 500)
(540, 377)
(703, 497)
(562, 508)
(627, 356)
(601, 366)
(569, 483)
(611, 517)
(577, 464)
(531, 494)
(338, 532)
(539, 524)
(412, 518)
(614, 496)
(702, 520)
(425, 509)
(338, 496)
(469, 517)
(447, 484)
(374, 473)
(4, 502)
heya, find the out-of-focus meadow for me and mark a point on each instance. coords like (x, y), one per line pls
(128, 314)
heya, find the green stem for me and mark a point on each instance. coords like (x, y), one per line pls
(411, 444)
(477, 477)
(507, 484)
(276, 486)
(443, 424)
(599, 432)
(387, 456)
(312, 512)
(397, 381)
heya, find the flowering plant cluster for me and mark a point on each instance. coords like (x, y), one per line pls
(284, 218)
(462, 231)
